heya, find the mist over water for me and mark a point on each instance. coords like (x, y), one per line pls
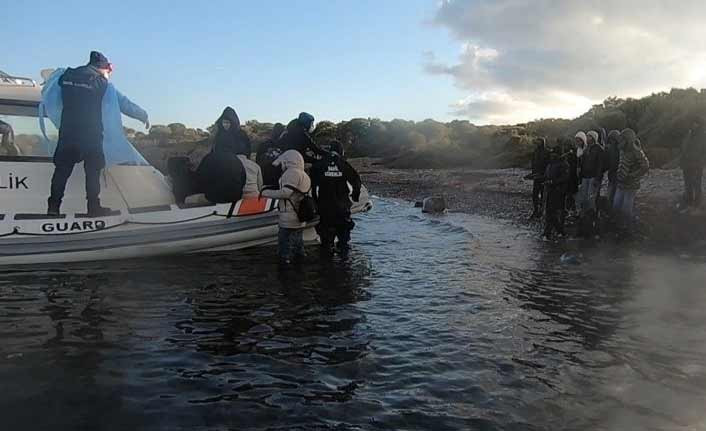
(452, 322)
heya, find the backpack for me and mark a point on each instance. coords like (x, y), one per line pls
(306, 210)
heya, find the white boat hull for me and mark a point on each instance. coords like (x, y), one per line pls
(28, 236)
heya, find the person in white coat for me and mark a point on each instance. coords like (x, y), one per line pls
(293, 185)
(253, 177)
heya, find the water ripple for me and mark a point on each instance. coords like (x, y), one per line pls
(444, 323)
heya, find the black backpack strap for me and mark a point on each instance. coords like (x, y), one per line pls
(291, 187)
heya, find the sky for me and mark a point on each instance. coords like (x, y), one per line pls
(495, 61)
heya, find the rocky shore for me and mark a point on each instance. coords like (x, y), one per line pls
(504, 194)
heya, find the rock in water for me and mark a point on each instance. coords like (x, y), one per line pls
(570, 259)
(434, 205)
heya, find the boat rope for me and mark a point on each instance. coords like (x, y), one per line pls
(16, 231)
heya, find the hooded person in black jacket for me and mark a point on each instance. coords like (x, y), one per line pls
(556, 178)
(612, 151)
(221, 175)
(330, 178)
(572, 186)
(692, 162)
(267, 153)
(229, 136)
(297, 137)
(539, 165)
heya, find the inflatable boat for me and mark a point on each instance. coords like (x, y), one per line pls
(145, 221)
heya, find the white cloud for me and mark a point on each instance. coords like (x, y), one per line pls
(527, 59)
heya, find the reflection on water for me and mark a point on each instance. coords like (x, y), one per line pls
(431, 323)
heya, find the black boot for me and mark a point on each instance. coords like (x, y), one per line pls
(53, 207)
(96, 210)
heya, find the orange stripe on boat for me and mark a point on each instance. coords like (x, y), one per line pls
(252, 206)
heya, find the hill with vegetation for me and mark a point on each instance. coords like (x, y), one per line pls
(661, 120)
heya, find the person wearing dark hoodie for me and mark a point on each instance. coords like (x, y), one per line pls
(591, 170)
(692, 161)
(612, 159)
(267, 153)
(556, 179)
(330, 179)
(602, 138)
(298, 137)
(221, 175)
(540, 158)
(572, 186)
(229, 136)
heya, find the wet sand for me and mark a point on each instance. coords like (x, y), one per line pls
(505, 194)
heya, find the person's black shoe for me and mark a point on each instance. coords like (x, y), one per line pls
(53, 207)
(326, 251)
(96, 210)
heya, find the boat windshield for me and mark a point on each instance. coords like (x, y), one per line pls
(20, 134)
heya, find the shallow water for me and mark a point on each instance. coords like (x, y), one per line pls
(451, 322)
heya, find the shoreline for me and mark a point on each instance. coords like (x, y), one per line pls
(504, 194)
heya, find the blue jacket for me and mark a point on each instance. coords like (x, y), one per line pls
(117, 149)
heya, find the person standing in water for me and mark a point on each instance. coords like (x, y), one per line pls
(539, 165)
(330, 178)
(613, 159)
(556, 178)
(632, 167)
(81, 131)
(293, 186)
(692, 161)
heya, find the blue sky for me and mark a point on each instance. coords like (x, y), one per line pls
(185, 61)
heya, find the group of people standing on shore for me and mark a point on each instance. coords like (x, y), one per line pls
(568, 178)
(307, 178)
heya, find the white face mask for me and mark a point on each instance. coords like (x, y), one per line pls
(312, 127)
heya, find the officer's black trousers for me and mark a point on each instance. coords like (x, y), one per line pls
(62, 172)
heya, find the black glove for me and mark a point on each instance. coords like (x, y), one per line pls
(356, 195)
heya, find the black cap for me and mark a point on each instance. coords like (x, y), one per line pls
(99, 60)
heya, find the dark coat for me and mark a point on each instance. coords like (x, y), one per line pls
(296, 138)
(221, 177)
(330, 178)
(234, 140)
(613, 158)
(572, 160)
(81, 128)
(693, 151)
(556, 182)
(540, 157)
(267, 153)
(592, 162)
